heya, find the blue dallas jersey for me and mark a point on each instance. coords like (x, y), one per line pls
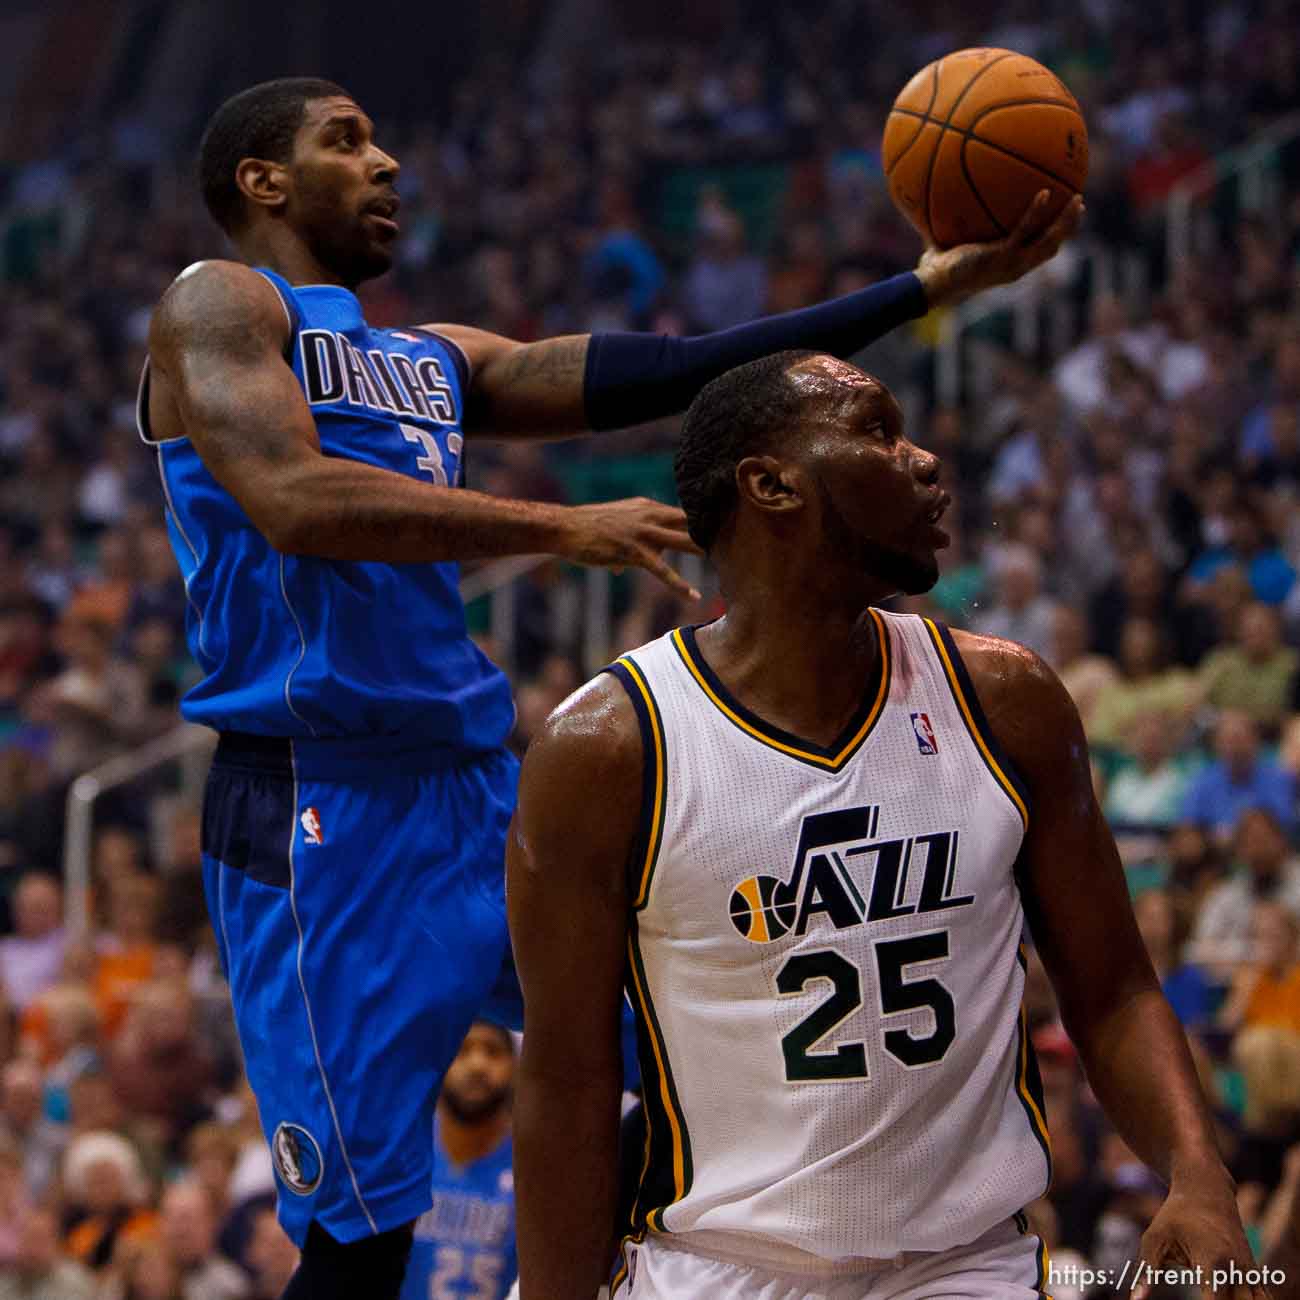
(298, 646)
(465, 1246)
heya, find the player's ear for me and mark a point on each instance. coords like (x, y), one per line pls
(770, 483)
(263, 183)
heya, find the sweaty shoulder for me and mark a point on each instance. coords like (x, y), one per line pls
(592, 734)
(217, 305)
(1029, 710)
(580, 788)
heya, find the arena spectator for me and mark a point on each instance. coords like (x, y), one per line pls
(39, 1271)
(1266, 987)
(1249, 546)
(1082, 673)
(1269, 1061)
(127, 951)
(725, 284)
(1145, 794)
(160, 1067)
(1239, 779)
(31, 959)
(1019, 611)
(107, 1197)
(105, 598)
(61, 1029)
(1256, 675)
(1164, 930)
(96, 705)
(270, 1257)
(14, 1194)
(1266, 871)
(37, 1140)
(144, 1269)
(1147, 684)
(189, 1229)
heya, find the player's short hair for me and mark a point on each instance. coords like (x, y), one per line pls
(507, 1038)
(741, 413)
(260, 122)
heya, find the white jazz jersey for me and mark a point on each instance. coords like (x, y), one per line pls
(825, 962)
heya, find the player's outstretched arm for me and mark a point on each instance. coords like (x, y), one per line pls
(566, 888)
(1077, 905)
(562, 386)
(216, 347)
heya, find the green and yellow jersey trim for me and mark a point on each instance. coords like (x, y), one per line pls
(1042, 1258)
(1029, 1083)
(632, 1238)
(968, 705)
(667, 1169)
(654, 777)
(829, 758)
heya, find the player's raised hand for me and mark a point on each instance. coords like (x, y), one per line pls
(953, 274)
(634, 532)
(1201, 1230)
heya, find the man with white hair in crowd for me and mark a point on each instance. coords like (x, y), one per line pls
(107, 1192)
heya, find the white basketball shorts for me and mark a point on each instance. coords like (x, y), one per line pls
(1004, 1264)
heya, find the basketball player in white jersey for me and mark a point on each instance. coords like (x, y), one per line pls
(808, 835)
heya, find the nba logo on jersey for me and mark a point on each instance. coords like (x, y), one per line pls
(311, 827)
(925, 740)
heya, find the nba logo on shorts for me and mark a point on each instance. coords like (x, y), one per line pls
(925, 740)
(311, 826)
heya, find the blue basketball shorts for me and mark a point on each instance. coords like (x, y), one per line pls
(357, 891)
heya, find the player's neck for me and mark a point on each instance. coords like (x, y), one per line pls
(466, 1143)
(801, 666)
(287, 257)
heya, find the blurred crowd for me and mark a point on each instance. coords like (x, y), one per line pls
(1126, 507)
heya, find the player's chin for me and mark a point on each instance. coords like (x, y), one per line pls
(378, 259)
(919, 573)
(372, 255)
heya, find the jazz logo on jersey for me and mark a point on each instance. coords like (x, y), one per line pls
(311, 827)
(925, 740)
(843, 874)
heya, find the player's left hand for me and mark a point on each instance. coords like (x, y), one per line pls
(1200, 1228)
(951, 275)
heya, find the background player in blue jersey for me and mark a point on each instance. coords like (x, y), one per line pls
(356, 812)
(465, 1245)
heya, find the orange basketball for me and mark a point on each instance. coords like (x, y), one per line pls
(974, 136)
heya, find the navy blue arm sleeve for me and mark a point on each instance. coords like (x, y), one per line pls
(632, 378)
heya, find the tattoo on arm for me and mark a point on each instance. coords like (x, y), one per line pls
(553, 363)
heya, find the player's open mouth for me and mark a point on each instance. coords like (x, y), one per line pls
(939, 538)
(384, 213)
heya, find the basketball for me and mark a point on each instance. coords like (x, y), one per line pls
(759, 911)
(974, 136)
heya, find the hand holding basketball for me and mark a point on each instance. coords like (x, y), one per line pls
(986, 154)
(950, 275)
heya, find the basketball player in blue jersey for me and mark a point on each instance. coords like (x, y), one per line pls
(823, 828)
(356, 811)
(465, 1245)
